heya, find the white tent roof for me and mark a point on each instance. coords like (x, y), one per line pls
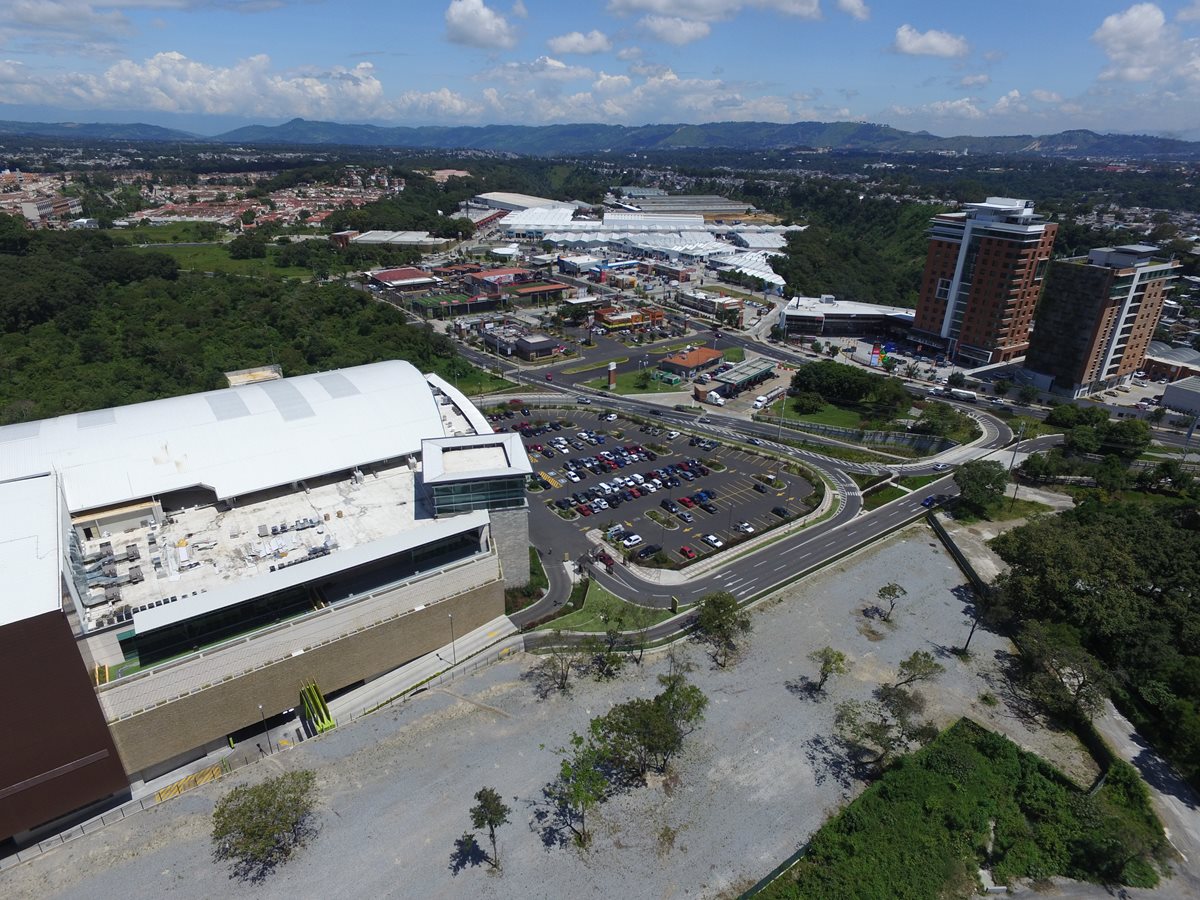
(234, 441)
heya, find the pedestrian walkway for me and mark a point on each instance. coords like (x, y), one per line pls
(400, 681)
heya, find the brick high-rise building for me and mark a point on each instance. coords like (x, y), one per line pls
(1097, 317)
(983, 277)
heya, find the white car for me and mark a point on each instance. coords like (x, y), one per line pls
(632, 541)
(712, 540)
(671, 435)
(611, 417)
(745, 528)
(572, 477)
(638, 479)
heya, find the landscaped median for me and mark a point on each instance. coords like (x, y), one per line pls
(603, 610)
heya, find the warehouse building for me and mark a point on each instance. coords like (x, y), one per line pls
(201, 557)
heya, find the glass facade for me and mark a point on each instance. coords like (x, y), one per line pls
(465, 496)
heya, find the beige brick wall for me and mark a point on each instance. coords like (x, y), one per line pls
(174, 728)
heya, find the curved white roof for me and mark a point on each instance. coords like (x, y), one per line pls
(234, 441)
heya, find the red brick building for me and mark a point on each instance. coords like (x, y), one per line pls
(983, 277)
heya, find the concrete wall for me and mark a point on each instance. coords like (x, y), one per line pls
(176, 728)
(510, 534)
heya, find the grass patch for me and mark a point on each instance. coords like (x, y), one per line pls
(912, 482)
(837, 416)
(734, 354)
(517, 598)
(631, 383)
(1003, 510)
(602, 610)
(921, 831)
(215, 258)
(1033, 427)
(675, 348)
(592, 366)
(884, 495)
(865, 480)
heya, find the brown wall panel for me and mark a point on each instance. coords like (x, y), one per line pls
(175, 728)
(57, 755)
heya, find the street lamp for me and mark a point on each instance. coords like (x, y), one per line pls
(262, 715)
(453, 651)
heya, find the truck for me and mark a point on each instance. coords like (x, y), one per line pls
(715, 399)
(965, 396)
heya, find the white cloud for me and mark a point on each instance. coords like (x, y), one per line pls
(674, 30)
(1142, 47)
(856, 8)
(1011, 102)
(930, 43)
(1190, 13)
(606, 83)
(519, 11)
(975, 80)
(625, 54)
(578, 42)
(712, 10)
(474, 23)
(544, 68)
(964, 108)
(1043, 96)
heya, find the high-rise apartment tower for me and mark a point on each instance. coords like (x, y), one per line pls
(1097, 317)
(983, 277)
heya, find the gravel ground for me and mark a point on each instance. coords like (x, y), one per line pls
(757, 778)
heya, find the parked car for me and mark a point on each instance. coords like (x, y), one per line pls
(780, 511)
(648, 551)
(687, 552)
(632, 540)
(713, 541)
(760, 487)
(745, 527)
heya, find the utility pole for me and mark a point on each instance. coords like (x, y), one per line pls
(1012, 462)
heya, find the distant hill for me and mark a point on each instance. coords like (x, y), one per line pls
(558, 139)
(105, 131)
(551, 140)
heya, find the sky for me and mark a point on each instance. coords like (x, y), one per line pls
(970, 67)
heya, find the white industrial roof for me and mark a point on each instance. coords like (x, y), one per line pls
(235, 441)
(756, 264)
(507, 457)
(823, 306)
(539, 217)
(30, 533)
(525, 200)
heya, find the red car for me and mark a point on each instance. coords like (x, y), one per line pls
(687, 552)
(549, 376)
(687, 501)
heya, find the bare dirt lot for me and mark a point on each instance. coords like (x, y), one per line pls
(756, 779)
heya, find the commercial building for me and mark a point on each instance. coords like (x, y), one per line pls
(983, 277)
(1164, 361)
(727, 310)
(513, 202)
(421, 240)
(690, 363)
(828, 316)
(612, 318)
(1183, 396)
(1097, 317)
(492, 282)
(404, 279)
(200, 558)
(513, 340)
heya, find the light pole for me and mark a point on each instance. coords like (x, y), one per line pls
(453, 650)
(1013, 462)
(262, 715)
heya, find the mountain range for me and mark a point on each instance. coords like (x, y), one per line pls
(550, 140)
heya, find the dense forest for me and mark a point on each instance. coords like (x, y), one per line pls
(86, 323)
(856, 247)
(1107, 593)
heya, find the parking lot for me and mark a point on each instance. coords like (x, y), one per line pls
(610, 474)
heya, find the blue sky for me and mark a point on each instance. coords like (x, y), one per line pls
(969, 67)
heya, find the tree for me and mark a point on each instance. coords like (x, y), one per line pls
(720, 623)
(489, 812)
(561, 660)
(1002, 386)
(829, 662)
(581, 783)
(1027, 394)
(980, 483)
(957, 380)
(258, 827)
(891, 594)
(1061, 674)
(919, 667)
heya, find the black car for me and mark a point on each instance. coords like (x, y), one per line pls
(780, 511)
(710, 508)
(648, 551)
(760, 487)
